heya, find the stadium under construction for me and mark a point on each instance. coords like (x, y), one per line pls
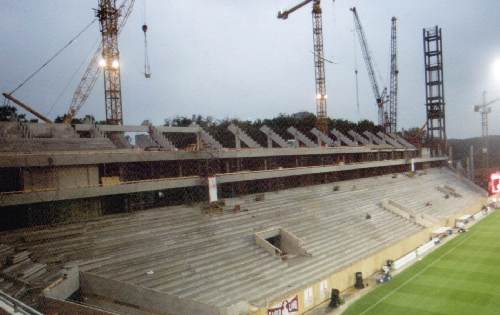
(109, 218)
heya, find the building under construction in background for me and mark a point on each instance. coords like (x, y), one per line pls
(175, 223)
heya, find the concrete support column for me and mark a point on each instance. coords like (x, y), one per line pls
(238, 142)
(180, 169)
(471, 159)
(198, 141)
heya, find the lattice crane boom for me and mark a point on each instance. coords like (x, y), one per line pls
(93, 69)
(319, 59)
(380, 95)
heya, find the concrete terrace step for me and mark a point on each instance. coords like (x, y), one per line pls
(214, 259)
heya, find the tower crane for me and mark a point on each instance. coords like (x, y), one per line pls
(106, 57)
(380, 95)
(485, 110)
(319, 59)
(392, 123)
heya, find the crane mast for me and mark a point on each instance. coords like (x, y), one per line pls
(392, 124)
(93, 70)
(319, 59)
(108, 17)
(319, 66)
(485, 109)
(380, 96)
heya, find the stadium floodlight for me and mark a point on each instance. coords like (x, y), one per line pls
(496, 69)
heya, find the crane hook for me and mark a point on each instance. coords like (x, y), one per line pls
(147, 68)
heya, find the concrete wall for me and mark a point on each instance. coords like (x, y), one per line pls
(60, 307)
(60, 177)
(344, 278)
(469, 210)
(141, 298)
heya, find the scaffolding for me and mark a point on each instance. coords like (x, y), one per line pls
(434, 89)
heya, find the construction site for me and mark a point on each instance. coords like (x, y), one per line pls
(105, 217)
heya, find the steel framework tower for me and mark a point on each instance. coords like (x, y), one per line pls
(319, 59)
(434, 89)
(392, 124)
(108, 15)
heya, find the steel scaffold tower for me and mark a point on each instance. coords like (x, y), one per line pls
(434, 89)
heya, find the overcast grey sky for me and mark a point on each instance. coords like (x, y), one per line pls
(236, 59)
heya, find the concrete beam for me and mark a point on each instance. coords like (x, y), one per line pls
(61, 158)
(389, 140)
(341, 137)
(357, 137)
(22, 198)
(300, 137)
(248, 176)
(65, 158)
(374, 138)
(273, 137)
(323, 138)
(137, 128)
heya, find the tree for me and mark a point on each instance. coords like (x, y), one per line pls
(9, 113)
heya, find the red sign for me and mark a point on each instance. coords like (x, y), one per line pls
(286, 307)
(494, 184)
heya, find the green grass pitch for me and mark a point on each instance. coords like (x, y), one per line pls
(462, 277)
